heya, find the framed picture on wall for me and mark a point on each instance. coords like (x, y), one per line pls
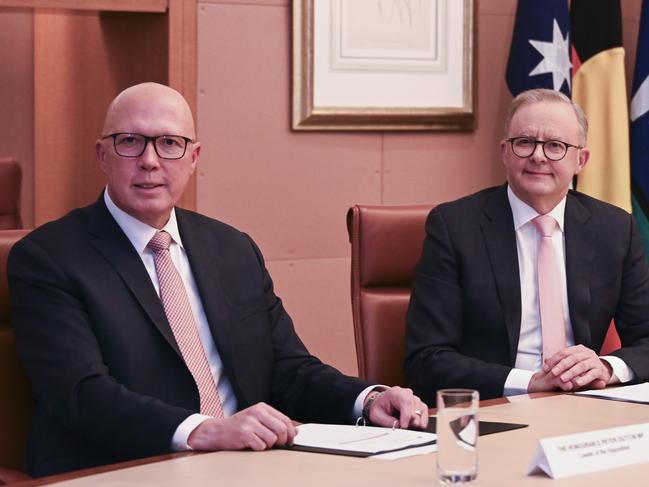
(383, 65)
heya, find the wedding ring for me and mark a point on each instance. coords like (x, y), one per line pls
(418, 412)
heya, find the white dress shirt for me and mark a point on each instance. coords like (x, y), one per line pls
(140, 234)
(530, 344)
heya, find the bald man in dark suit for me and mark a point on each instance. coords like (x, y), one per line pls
(95, 306)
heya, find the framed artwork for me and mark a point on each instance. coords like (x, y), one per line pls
(383, 65)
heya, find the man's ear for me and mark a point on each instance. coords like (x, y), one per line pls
(100, 154)
(196, 152)
(584, 156)
(503, 148)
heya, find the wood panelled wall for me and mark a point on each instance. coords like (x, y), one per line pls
(85, 52)
(81, 61)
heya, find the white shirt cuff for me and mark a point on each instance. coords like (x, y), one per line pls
(517, 382)
(184, 429)
(357, 412)
(621, 371)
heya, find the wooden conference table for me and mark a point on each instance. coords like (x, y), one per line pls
(503, 457)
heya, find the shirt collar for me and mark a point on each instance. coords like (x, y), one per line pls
(138, 232)
(524, 213)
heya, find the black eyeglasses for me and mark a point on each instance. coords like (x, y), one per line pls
(134, 145)
(554, 150)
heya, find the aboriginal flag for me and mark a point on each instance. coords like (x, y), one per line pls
(598, 85)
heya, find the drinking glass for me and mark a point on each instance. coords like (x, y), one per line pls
(457, 435)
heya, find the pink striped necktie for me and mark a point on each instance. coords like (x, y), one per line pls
(553, 325)
(181, 319)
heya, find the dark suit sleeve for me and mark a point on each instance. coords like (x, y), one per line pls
(441, 346)
(302, 386)
(57, 342)
(632, 314)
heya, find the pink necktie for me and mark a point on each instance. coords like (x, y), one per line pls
(181, 319)
(551, 306)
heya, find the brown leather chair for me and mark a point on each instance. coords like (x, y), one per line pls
(386, 246)
(15, 389)
(10, 178)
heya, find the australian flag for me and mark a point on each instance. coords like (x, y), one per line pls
(640, 129)
(540, 50)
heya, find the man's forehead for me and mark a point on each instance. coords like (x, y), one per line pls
(550, 116)
(144, 118)
(534, 128)
(149, 115)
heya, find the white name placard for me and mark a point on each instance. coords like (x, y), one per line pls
(592, 451)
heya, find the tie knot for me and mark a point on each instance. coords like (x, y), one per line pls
(160, 241)
(545, 224)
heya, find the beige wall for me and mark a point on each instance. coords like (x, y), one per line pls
(291, 190)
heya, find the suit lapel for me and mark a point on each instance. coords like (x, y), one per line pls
(500, 240)
(202, 251)
(109, 240)
(580, 254)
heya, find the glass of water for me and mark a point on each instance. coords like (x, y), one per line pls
(457, 435)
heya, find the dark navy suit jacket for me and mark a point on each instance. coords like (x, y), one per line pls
(465, 310)
(109, 381)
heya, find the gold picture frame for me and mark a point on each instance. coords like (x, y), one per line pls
(409, 74)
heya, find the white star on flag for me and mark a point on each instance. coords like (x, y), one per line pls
(556, 58)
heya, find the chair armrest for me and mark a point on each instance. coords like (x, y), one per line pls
(9, 476)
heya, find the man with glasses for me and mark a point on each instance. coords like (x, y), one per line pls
(517, 285)
(146, 328)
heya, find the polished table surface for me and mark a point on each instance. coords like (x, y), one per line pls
(503, 457)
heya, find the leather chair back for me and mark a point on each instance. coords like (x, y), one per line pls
(386, 246)
(15, 389)
(10, 179)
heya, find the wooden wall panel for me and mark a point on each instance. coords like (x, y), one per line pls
(182, 66)
(81, 61)
(17, 100)
(117, 5)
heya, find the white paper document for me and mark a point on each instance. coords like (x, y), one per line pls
(635, 392)
(408, 452)
(359, 439)
(592, 451)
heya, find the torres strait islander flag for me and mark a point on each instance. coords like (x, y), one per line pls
(640, 130)
(540, 52)
(599, 86)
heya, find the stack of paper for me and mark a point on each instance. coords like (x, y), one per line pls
(635, 393)
(360, 441)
